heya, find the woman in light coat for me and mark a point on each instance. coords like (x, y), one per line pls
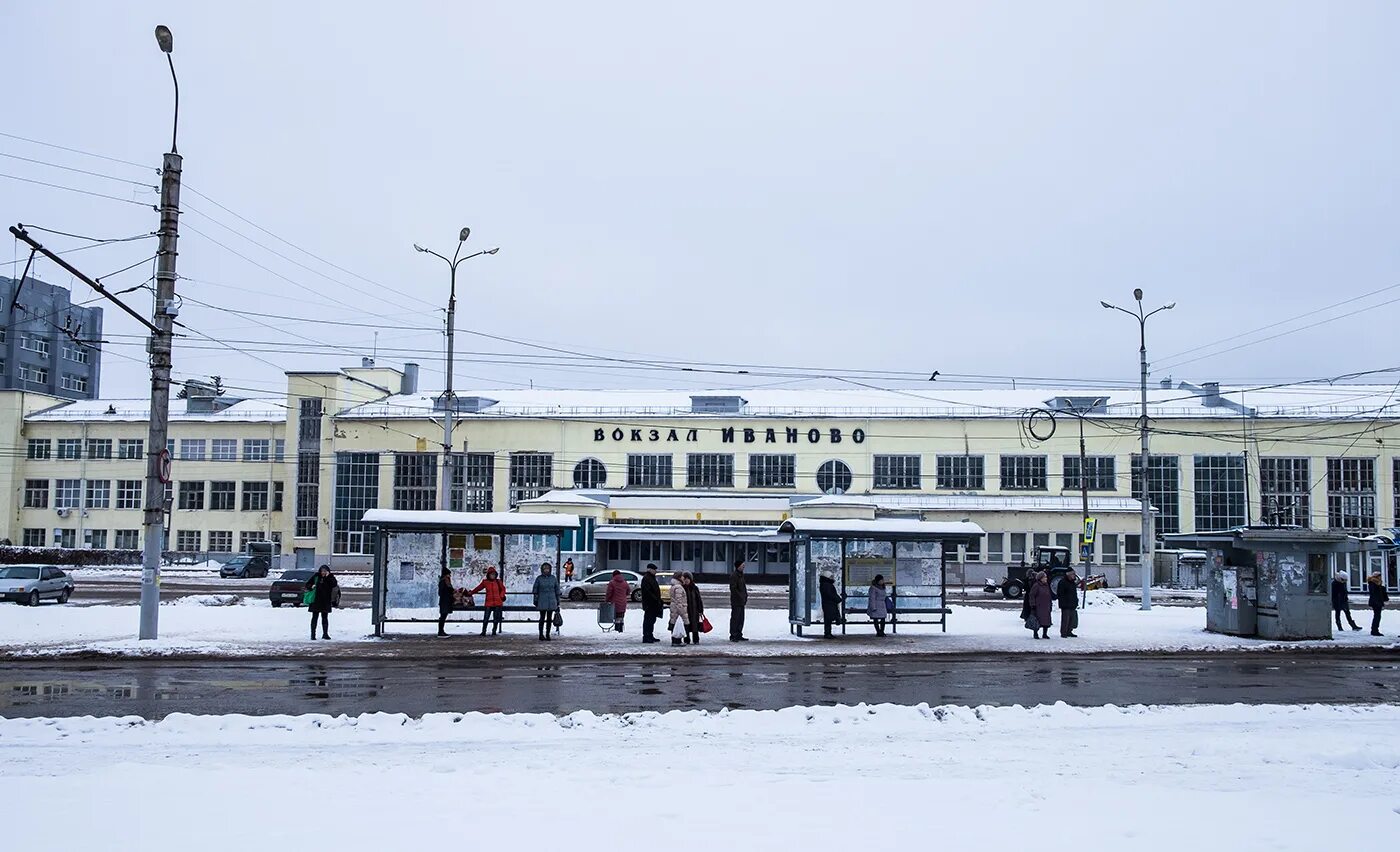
(680, 609)
(878, 605)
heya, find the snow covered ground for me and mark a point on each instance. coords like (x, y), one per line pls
(232, 624)
(1046, 778)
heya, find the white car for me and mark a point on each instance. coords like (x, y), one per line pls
(592, 587)
(29, 584)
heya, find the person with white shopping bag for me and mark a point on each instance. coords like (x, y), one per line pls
(680, 610)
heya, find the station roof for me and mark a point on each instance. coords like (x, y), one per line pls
(883, 527)
(265, 410)
(514, 521)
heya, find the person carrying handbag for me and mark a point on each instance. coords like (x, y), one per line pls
(324, 591)
(680, 609)
(695, 609)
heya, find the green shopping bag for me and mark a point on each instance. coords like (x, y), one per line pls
(308, 597)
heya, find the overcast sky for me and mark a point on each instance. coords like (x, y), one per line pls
(922, 186)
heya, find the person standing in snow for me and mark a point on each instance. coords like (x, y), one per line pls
(325, 590)
(651, 604)
(1040, 599)
(695, 609)
(831, 603)
(680, 608)
(877, 606)
(738, 599)
(546, 593)
(617, 594)
(569, 570)
(445, 593)
(1068, 596)
(1376, 596)
(1341, 601)
(494, 610)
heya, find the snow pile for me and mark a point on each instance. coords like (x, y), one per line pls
(207, 600)
(1156, 779)
(1104, 599)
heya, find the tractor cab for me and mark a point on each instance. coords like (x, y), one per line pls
(1045, 557)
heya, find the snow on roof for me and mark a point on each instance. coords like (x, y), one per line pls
(1004, 503)
(888, 526)
(640, 532)
(693, 501)
(570, 497)
(1315, 400)
(833, 500)
(542, 521)
(139, 410)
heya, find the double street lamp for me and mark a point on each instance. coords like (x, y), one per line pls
(1145, 555)
(449, 400)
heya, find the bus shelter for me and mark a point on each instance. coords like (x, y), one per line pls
(412, 548)
(909, 554)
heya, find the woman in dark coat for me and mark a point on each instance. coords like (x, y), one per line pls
(695, 610)
(1376, 596)
(1067, 594)
(1040, 600)
(831, 604)
(444, 600)
(325, 591)
(1341, 602)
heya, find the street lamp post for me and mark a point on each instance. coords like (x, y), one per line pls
(449, 406)
(159, 347)
(1145, 546)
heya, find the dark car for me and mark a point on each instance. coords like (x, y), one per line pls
(289, 587)
(246, 566)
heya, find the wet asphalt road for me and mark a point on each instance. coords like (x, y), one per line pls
(155, 688)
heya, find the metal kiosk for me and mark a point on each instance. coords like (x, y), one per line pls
(411, 549)
(911, 554)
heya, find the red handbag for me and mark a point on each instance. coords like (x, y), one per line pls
(705, 625)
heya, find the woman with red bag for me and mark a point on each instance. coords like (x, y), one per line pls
(494, 610)
(695, 610)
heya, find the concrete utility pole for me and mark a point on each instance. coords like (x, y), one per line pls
(160, 347)
(1145, 556)
(449, 406)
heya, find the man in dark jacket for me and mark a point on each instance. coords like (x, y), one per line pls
(1067, 593)
(738, 599)
(1341, 601)
(651, 604)
(831, 604)
(1376, 596)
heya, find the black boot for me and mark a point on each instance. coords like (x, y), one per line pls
(675, 641)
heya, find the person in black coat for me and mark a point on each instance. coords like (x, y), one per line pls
(1341, 602)
(831, 604)
(695, 610)
(1376, 597)
(652, 607)
(444, 600)
(326, 591)
(1067, 594)
(738, 599)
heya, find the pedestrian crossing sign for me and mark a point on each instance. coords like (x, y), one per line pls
(1090, 526)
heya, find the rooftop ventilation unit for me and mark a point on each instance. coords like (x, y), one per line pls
(465, 404)
(1209, 392)
(717, 404)
(1078, 404)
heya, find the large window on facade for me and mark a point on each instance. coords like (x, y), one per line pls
(188, 541)
(99, 448)
(70, 448)
(1163, 490)
(131, 448)
(192, 449)
(309, 424)
(221, 541)
(649, 470)
(308, 516)
(834, 477)
(192, 494)
(34, 537)
(36, 494)
(772, 470)
(1099, 470)
(1351, 495)
(1284, 485)
(254, 497)
(127, 540)
(709, 470)
(356, 491)
(40, 448)
(255, 449)
(415, 481)
(531, 475)
(897, 472)
(961, 473)
(129, 493)
(1023, 473)
(99, 494)
(223, 495)
(1219, 492)
(224, 449)
(68, 493)
(590, 473)
(473, 482)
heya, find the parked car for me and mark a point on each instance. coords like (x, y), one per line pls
(289, 587)
(592, 587)
(244, 566)
(29, 584)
